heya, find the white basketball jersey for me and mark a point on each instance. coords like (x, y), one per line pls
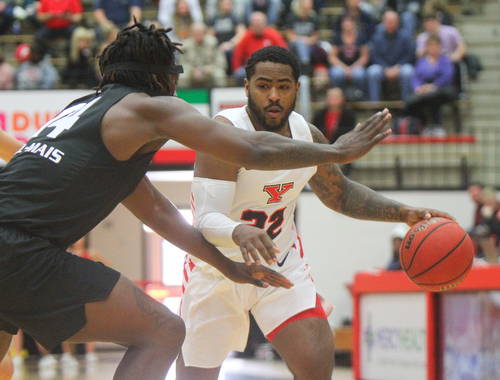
(267, 199)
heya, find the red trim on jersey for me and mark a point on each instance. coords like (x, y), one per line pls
(315, 312)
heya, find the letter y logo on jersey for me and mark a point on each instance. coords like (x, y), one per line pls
(276, 191)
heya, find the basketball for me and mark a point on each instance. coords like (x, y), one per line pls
(436, 254)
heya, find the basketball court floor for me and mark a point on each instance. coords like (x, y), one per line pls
(232, 369)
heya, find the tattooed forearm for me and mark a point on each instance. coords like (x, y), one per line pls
(149, 307)
(361, 202)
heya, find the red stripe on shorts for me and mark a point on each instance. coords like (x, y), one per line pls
(315, 312)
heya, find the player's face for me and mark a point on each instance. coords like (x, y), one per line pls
(272, 93)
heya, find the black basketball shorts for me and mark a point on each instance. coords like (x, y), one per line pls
(44, 289)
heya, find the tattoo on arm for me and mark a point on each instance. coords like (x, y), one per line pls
(361, 202)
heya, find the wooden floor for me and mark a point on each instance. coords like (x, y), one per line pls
(232, 369)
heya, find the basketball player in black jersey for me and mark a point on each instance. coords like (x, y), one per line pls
(94, 155)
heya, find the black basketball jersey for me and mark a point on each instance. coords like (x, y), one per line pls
(64, 181)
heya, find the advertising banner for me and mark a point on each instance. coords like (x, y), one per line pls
(393, 338)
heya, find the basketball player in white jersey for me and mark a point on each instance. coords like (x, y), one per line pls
(248, 215)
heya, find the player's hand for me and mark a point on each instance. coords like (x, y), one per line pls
(360, 140)
(415, 215)
(254, 242)
(257, 275)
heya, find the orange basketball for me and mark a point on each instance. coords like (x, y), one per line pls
(436, 254)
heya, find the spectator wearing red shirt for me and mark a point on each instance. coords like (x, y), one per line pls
(257, 36)
(58, 18)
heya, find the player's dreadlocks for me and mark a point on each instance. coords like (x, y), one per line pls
(142, 58)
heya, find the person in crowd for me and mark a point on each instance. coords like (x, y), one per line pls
(59, 18)
(439, 7)
(335, 120)
(213, 9)
(122, 13)
(433, 86)
(179, 15)
(487, 234)
(6, 73)
(286, 8)
(10, 12)
(257, 36)
(302, 34)
(94, 155)
(249, 215)
(37, 72)
(397, 235)
(80, 71)
(409, 12)
(392, 55)
(452, 42)
(475, 191)
(271, 8)
(228, 28)
(365, 22)
(204, 63)
(348, 59)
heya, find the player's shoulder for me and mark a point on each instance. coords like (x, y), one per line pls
(317, 135)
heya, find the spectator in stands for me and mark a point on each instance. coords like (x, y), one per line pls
(335, 119)
(348, 58)
(203, 62)
(227, 28)
(37, 72)
(179, 15)
(452, 42)
(238, 10)
(286, 8)
(409, 13)
(257, 36)
(270, 7)
(59, 18)
(439, 7)
(489, 235)
(119, 13)
(6, 74)
(475, 191)
(80, 71)
(9, 13)
(392, 54)
(397, 237)
(365, 22)
(433, 86)
(302, 26)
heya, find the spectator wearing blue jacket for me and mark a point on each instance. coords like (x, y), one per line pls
(392, 53)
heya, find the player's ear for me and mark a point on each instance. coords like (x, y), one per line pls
(297, 88)
(247, 85)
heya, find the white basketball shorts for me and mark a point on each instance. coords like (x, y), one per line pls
(215, 309)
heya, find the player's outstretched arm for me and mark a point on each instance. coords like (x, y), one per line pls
(358, 201)
(172, 118)
(157, 212)
(9, 145)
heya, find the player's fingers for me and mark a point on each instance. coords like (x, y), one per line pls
(271, 277)
(265, 251)
(381, 136)
(254, 253)
(379, 125)
(373, 118)
(278, 281)
(246, 258)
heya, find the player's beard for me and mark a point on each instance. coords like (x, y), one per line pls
(260, 114)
